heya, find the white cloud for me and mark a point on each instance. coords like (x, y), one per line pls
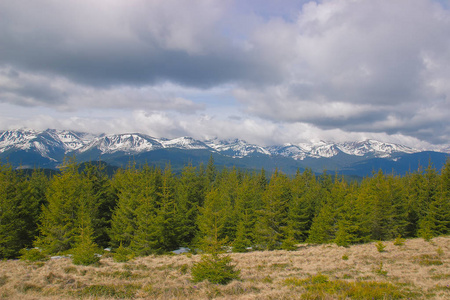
(260, 70)
(369, 66)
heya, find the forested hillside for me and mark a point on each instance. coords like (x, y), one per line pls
(150, 211)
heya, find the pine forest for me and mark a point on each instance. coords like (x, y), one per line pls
(145, 210)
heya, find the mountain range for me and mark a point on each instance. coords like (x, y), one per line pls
(27, 148)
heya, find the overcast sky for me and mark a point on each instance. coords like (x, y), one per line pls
(267, 71)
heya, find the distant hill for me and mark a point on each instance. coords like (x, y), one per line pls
(26, 148)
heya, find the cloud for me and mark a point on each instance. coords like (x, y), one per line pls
(35, 90)
(367, 66)
(127, 42)
(268, 71)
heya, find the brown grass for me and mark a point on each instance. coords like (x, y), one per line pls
(418, 269)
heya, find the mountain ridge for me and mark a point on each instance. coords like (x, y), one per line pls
(53, 145)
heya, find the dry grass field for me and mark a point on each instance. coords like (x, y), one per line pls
(415, 270)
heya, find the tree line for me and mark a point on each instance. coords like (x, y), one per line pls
(150, 210)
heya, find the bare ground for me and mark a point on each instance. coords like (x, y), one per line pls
(417, 269)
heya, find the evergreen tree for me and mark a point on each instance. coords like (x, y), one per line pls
(144, 226)
(228, 185)
(211, 171)
(211, 222)
(302, 208)
(133, 187)
(103, 200)
(16, 213)
(85, 251)
(324, 225)
(437, 219)
(34, 193)
(273, 218)
(190, 193)
(59, 219)
(157, 219)
(248, 194)
(351, 225)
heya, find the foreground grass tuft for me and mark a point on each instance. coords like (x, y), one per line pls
(416, 270)
(320, 287)
(113, 291)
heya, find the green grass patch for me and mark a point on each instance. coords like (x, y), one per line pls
(440, 276)
(26, 287)
(279, 266)
(320, 287)
(3, 280)
(70, 270)
(113, 291)
(428, 260)
(121, 274)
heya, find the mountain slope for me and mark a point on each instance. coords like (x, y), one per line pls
(48, 148)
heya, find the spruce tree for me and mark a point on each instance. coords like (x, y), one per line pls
(144, 240)
(273, 217)
(211, 222)
(133, 188)
(59, 219)
(12, 208)
(157, 219)
(190, 193)
(248, 194)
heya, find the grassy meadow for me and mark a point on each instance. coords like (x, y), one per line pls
(415, 269)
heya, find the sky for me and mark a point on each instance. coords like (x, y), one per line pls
(266, 71)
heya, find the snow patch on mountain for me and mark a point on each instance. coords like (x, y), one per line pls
(378, 149)
(187, 143)
(127, 143)
(236, 148)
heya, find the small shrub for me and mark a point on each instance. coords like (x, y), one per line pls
(123, 254)
(399, 241)
(184, 269)
(85, 256)
(215, 269)
(380, 270)
(345, 257)
(32, 255)
(380, 246)
(86, 251)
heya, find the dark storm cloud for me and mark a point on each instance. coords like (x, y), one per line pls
(138, 43)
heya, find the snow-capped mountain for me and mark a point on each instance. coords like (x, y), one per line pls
(186, 143)
(127, 143)
(235, 148)
(49, 140)
(323, 149)
(28, 147)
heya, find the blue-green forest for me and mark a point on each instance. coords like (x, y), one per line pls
(152, 210)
